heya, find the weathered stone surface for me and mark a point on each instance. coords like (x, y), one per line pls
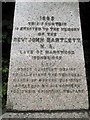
(59, 115)
(47, 0)
(47, 70)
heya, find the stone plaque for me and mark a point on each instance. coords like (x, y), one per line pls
(47, 69)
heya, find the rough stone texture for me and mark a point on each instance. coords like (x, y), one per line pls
(47, 0)
(66, 89)
(61, 115)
